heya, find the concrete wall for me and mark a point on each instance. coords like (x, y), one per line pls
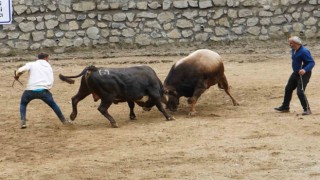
(62, 24)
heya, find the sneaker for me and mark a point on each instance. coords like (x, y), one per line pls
(306, 112)
(282, 109)
(66, 122)
(23, 125)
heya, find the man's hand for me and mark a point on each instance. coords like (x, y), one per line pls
(17, 75)
(302, 72)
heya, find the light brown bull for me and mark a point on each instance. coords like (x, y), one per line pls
(193, 75)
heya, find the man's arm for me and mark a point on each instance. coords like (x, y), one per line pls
(308, 60)
(21, 70)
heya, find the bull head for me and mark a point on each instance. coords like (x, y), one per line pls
(169, 91)
(172, 99)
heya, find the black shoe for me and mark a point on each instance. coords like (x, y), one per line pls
(23, 125)
(306, 112)
(282, 109)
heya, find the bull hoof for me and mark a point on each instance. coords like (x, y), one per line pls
(72, 117)
(171, 118)
(193, 113)
(133, 118)
(190, 100)
(114, 125)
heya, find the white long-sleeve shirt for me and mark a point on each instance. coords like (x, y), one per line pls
(40, 75)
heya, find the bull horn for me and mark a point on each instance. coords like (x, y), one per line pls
(175, 93)
(165, 90)
(164, 99)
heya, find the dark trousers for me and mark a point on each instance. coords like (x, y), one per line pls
(294, 82)
(45, 96)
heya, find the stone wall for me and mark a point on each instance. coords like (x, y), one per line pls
(61, 24)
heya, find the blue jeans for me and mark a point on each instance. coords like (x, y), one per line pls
(45, 96)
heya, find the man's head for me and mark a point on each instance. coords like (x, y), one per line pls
(295, 42)
(44, 56)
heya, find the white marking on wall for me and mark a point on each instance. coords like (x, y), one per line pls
(5, 11)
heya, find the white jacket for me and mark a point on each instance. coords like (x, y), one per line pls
(40, 74)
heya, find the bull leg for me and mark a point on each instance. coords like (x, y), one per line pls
(157, 100)
(75, 100)
(82, 93)
(131, 106)
(193, 100)
(223, 83)
(103, 108)
(161, 109)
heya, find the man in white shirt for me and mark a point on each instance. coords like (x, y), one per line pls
(39, 83)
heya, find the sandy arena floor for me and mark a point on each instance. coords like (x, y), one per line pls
(250, 141)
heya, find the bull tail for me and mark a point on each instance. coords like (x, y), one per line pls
(69, 79)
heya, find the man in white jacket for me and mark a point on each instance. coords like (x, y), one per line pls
(39, 83)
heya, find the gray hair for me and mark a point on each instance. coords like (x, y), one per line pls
(295, 39)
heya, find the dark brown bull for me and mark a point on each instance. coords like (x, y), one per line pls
(138, 84)
(193, 75)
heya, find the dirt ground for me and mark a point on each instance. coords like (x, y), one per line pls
(222, 141)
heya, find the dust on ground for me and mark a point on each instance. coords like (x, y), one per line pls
(222, 141)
